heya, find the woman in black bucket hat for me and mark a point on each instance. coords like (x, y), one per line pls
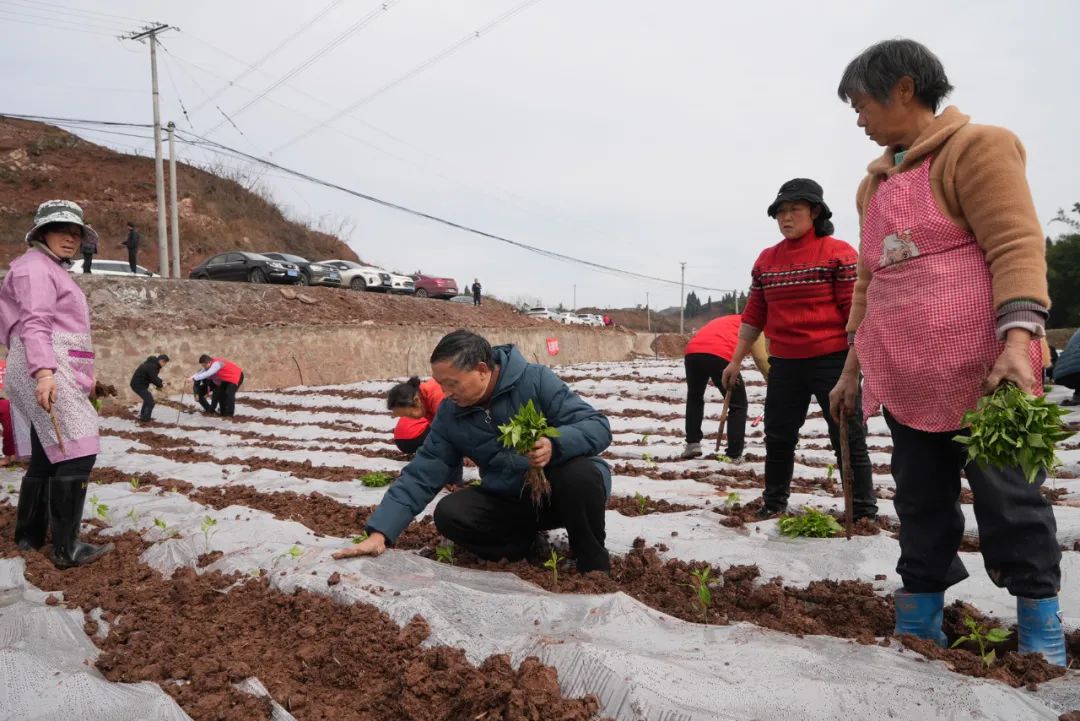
(800, 297)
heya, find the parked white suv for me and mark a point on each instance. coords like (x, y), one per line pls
(540, 314)
(360, 277)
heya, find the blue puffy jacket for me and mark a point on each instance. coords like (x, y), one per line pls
(474, 432)
(1068, 363)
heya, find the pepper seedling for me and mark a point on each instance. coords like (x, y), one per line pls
(445, 554)
(98, 508)
(208, 530)
(731, 500)
(521, 434)
(648, 458)
(552, 564)
(377, 479)
(642, 503)
(11, 488)
(700, 585)
(169, 532)
(811, 523)
(983, 637)
(1011, 428)
(294, 552)
(134, 516)
(134, 483)
(723, 458)
(830, 472)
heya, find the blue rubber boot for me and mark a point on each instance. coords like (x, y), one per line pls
(1039, 629)
(920, 614)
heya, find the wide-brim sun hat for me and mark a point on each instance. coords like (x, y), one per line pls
(59, 211)
(803, 189)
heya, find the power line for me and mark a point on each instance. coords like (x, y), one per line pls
(437, 57)
(62, 16)
(68, 8)
(276, 49)
(53, 26)
(342, 37)
(214, 146)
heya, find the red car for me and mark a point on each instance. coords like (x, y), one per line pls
(428, 286)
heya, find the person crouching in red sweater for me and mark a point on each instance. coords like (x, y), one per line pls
(414, 403)
(800, 298)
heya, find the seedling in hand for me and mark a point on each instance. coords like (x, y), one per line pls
(377, 479)
(521, 434)
(552, 564)
(1011, 428)
(642, 503)
(363, 536)
(700, 585)
(445, 554)
(983, 637)
(208, 530)
(811, 523)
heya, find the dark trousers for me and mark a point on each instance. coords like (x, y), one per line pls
(86, 260)
(411, 445)
(792, 382)
(495, 526)
(700, 367)
(1070, 381)
(476, 299)
(202, 389)
(225, 396)
(41, 467)
(148, 402)
(132, 259)
(1017, 529)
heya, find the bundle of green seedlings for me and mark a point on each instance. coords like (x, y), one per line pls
(811, 523)
(523, 432)
(377, 479)
(1011, 428)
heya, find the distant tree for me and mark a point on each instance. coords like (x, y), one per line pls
(693, 305)
(1063, 272)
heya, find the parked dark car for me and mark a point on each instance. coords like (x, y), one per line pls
(250, 267)
(428, 286)
(310, 273)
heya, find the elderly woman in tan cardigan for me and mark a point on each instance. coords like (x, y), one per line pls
(951, 300)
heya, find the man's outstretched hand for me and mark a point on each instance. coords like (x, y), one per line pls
(373, 545)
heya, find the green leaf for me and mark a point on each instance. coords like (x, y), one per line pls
(551, 432)
(997, 635)
(990, 657)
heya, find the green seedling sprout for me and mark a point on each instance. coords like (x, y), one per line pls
(723, 458)
(445, 554)
(552, 564)
(294, 552)
(642, 503)
(475, 482)
(1011, 428)
(134, 483)
(360, 538)
(830, 472)
(648, 458)
(702, 578)
(208, 529)
(99, 509)
(983, 637)
(731, 499)
(134, 516)
(644, 439)
(169, 532)
(11, 488)
(811, 523)
(377, 479)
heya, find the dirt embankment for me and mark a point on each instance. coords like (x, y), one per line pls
(40, 162)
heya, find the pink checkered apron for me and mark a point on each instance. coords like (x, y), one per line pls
(928, 338)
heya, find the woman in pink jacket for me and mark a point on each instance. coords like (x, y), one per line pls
(45, 324)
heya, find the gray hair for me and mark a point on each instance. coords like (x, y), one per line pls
(878, 69)
(464, 349)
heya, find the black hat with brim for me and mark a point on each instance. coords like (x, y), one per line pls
(802, 189)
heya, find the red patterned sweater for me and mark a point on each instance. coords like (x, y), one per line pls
(801, 296)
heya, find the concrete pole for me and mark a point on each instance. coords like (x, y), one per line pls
(159, 167)
(736, 302)
(682, 296)
(174, 211)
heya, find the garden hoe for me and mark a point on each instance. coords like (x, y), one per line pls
(180, 410)
(845, 472)
(723, 418)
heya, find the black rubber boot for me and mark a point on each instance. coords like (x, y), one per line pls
(66, 497)
(32, 520)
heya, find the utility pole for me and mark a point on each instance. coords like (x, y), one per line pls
(682, 296)
(736, 301)
(575, 297)
(174, 211)
(648, 312)
(150, 32)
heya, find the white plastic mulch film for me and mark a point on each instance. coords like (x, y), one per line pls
(642, 664)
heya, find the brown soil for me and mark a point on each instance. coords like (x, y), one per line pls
(631, 506)
(300, 469)
(316, 657)
(671, 345)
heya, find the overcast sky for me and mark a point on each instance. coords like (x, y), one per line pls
(630, 133)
